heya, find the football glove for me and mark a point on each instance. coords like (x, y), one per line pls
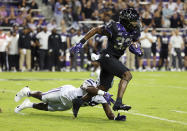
(136, 49)
(76, 48)
(108, 98)
(120, 118)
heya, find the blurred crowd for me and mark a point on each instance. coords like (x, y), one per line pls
(37, 44)
(22, 13)
(154, 13)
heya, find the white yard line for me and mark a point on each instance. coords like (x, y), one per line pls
(153, 117)
(177, 87)
(158, 118)
(167, 86)
(182, 112)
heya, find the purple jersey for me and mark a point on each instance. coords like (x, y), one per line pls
(119, 39)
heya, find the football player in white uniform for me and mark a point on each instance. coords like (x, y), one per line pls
(60, 99)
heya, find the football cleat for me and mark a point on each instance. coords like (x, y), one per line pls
(76, 106)
(22, 93)
(26, 104)
(124, 107)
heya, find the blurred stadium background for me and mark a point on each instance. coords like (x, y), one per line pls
(72, 19)
(157, 92)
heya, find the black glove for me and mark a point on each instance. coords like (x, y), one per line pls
(120, 118)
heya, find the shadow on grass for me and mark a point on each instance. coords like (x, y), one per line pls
(60, 116)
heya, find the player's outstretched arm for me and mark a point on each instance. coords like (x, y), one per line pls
(111, 115)
(96, 30)
(108, 111)
(92, 32)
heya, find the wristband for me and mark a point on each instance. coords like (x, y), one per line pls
(82, 41)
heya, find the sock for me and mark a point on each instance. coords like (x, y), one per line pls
(31, 92)
(40, 106)
(100, 92)
(119, 100)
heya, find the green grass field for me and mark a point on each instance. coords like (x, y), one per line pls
(158, 100)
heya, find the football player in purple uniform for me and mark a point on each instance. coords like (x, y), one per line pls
(121, 35)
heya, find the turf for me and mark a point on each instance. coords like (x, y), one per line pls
(158, 100)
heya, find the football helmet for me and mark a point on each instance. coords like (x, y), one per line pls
(129, 18)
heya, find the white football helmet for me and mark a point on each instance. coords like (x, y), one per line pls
(89, 82)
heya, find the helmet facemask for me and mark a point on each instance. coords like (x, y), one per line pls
(129, 18)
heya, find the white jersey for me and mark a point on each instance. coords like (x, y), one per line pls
(61, 98)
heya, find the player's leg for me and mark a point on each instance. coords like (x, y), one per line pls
(126, 77)
(28, 104)
(26, 92)
(22, 93)
(36, 94)
(51, 100)
(113, 67)
(40, 106)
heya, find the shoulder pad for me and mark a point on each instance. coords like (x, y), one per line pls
(111, 27)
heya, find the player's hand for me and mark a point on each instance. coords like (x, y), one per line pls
(136, 49)
(76, 48)
(108, 98)
(120, 118)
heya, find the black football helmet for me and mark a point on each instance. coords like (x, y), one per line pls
(128, 17)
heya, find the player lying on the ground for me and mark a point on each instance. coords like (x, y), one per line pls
(60, 99)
